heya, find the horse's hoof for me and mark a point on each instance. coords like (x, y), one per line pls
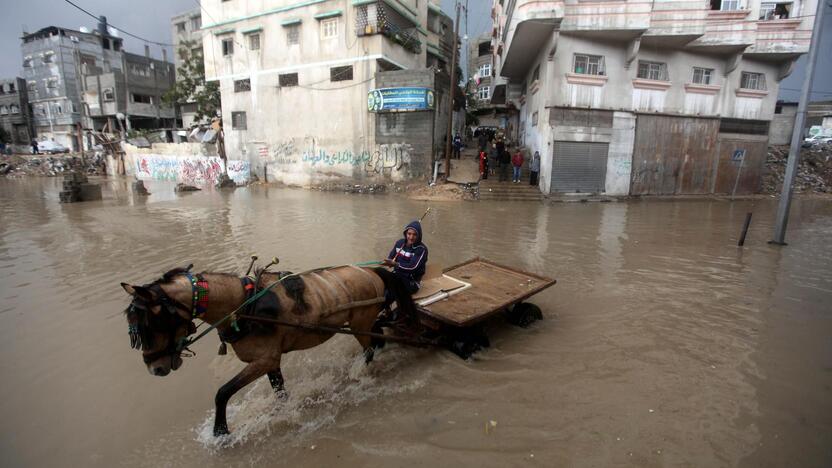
(281, 395)
(220, 431)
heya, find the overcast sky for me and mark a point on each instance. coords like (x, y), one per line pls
(151, 19)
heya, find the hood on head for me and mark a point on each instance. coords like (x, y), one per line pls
(417, 226)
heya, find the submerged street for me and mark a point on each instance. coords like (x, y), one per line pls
(662, 344)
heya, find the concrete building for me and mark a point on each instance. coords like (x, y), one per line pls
(15, 114)
(663, 97)
(481, 83)
(818, 115)
(187, 40)
(82, 79)
(328, 91)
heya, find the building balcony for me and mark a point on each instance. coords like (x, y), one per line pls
(607, 19)
(529, 26)
(727, 32)
(675, 23)
(780, 39)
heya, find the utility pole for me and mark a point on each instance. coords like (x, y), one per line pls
(797, 135)
(453, 92)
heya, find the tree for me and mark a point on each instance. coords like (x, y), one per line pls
(191, 87)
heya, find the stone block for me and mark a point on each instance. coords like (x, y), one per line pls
(89, 192)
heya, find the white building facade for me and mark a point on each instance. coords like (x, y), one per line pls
(187, 41)
(295, 77)
(640, 98)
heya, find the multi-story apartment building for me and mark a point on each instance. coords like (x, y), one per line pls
(187, 41)
(481, 83)
(15, 116)
(83, 79)
(633, 97)
(301, 85)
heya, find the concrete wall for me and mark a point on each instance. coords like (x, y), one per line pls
(782, 126)
(189, 163)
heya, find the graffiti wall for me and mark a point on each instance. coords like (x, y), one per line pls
(193, 170)
(304, 161)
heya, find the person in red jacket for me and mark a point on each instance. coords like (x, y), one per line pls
(516, 163)
(483, 165)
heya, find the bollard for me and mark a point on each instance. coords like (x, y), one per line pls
(744, 229)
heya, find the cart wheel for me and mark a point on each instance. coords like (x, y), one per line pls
(524, 314)
(465, 342)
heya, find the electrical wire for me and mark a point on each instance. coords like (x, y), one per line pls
(119, 29)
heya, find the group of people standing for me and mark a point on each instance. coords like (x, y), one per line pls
(502, 159)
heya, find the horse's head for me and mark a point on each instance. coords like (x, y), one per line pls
(158, 322)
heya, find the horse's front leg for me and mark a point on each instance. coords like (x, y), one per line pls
(245, 377)
(276, 379)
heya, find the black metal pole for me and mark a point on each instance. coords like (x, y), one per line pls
(744, 229)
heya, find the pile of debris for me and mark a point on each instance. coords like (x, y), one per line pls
(51, 166)
(814, 173)
(353, 188)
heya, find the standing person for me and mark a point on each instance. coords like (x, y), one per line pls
(482, 140)
(35, 147)
(517, 164)
(505, 161)
(483, 165)
(457, 145)
(534, 168)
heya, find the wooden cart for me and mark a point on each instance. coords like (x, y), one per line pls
(453, 303)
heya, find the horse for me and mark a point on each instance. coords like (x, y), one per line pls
(161, 318)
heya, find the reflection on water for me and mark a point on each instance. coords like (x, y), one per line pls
(663, 344)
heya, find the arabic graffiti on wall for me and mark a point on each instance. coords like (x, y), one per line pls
(195, 170)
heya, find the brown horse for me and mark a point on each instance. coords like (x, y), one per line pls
(161, 314)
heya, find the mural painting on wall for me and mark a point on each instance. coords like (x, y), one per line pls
(384, 160)
(196, 170)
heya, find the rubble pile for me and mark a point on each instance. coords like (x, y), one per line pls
(814, 173)
(353, 188)
(51, 166)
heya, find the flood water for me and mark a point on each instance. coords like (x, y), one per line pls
(663, 343)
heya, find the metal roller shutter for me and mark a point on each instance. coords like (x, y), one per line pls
(579, 167)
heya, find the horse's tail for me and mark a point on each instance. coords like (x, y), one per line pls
(396, 286)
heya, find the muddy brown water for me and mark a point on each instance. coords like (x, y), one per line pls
(663, 343)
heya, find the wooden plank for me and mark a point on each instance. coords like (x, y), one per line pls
(494, 287)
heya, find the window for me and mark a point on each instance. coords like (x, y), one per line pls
(4, 110)
(329, 28)
(52, 83)
(771, 11)
(750, 80)
(238, 120)
(142, 98)
(702, 75)
(27, 62)
(139, 69)
(534, 119)
(47, 57)
(588, 64)
(484, 92)
(59, 109)
(726, 5)
(288, 79)
(116, 46)
(293, 34)
(108, 95)
(254, 42)
(242, 85)
(485, 70)
(536, 74)
(652, 70)
(14, 109)
(196, 51)
(180, 27)
(11, 88)
(484, 48)
(32, 86)
(227, 47)
(196, 22)
(340, 73)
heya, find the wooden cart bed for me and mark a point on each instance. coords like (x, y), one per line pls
(493, 288)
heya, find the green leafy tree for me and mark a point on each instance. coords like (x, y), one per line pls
(191, 87)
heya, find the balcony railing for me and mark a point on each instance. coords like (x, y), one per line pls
(377, 18)
(781, 37)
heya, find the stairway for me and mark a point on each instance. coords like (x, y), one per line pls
(491, 189)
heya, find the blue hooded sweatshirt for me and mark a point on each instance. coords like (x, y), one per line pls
(410, 261)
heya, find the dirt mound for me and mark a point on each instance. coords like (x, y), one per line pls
(439, 192)
(50, 166)
(814, 173)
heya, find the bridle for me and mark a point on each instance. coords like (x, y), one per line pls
(141, 308)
